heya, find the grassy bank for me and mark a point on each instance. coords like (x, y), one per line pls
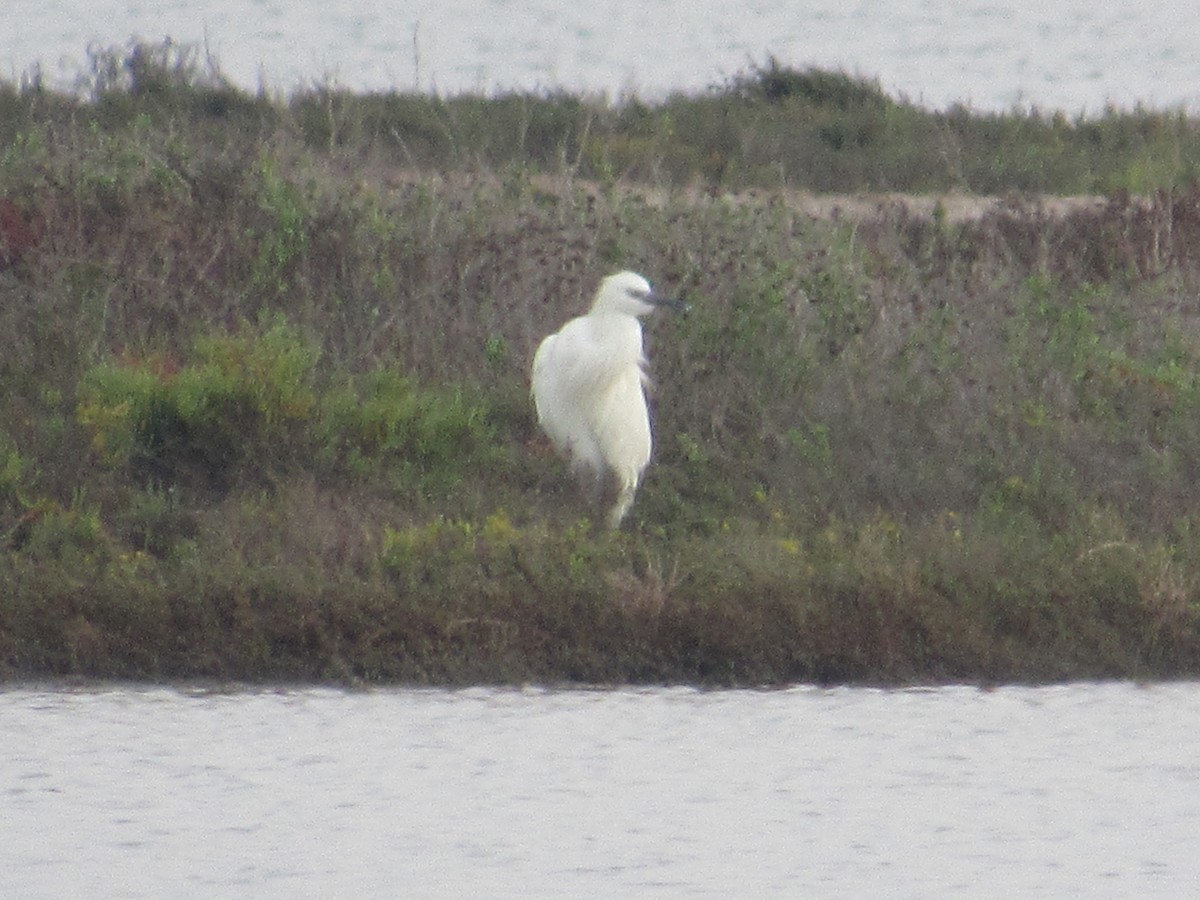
(265, 367)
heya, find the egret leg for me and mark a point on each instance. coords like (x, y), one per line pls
(629, 487)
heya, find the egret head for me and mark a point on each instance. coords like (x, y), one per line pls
(630, 294)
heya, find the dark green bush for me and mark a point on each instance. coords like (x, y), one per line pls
(243, 404)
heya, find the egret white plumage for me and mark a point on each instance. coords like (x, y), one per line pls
(589, 386)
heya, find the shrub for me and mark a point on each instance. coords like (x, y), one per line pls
(421, 437)
(242, 407)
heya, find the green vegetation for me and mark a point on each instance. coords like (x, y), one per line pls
(267, 417)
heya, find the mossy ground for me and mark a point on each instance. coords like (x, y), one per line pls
(267, 417)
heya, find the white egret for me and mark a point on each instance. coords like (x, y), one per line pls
(588, 386)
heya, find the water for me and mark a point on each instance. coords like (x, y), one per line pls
(1073, 55)
(1070, 791)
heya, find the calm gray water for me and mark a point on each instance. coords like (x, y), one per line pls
(1074, 55)
(1069, 791)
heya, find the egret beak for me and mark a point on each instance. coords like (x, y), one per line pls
(669, 302)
